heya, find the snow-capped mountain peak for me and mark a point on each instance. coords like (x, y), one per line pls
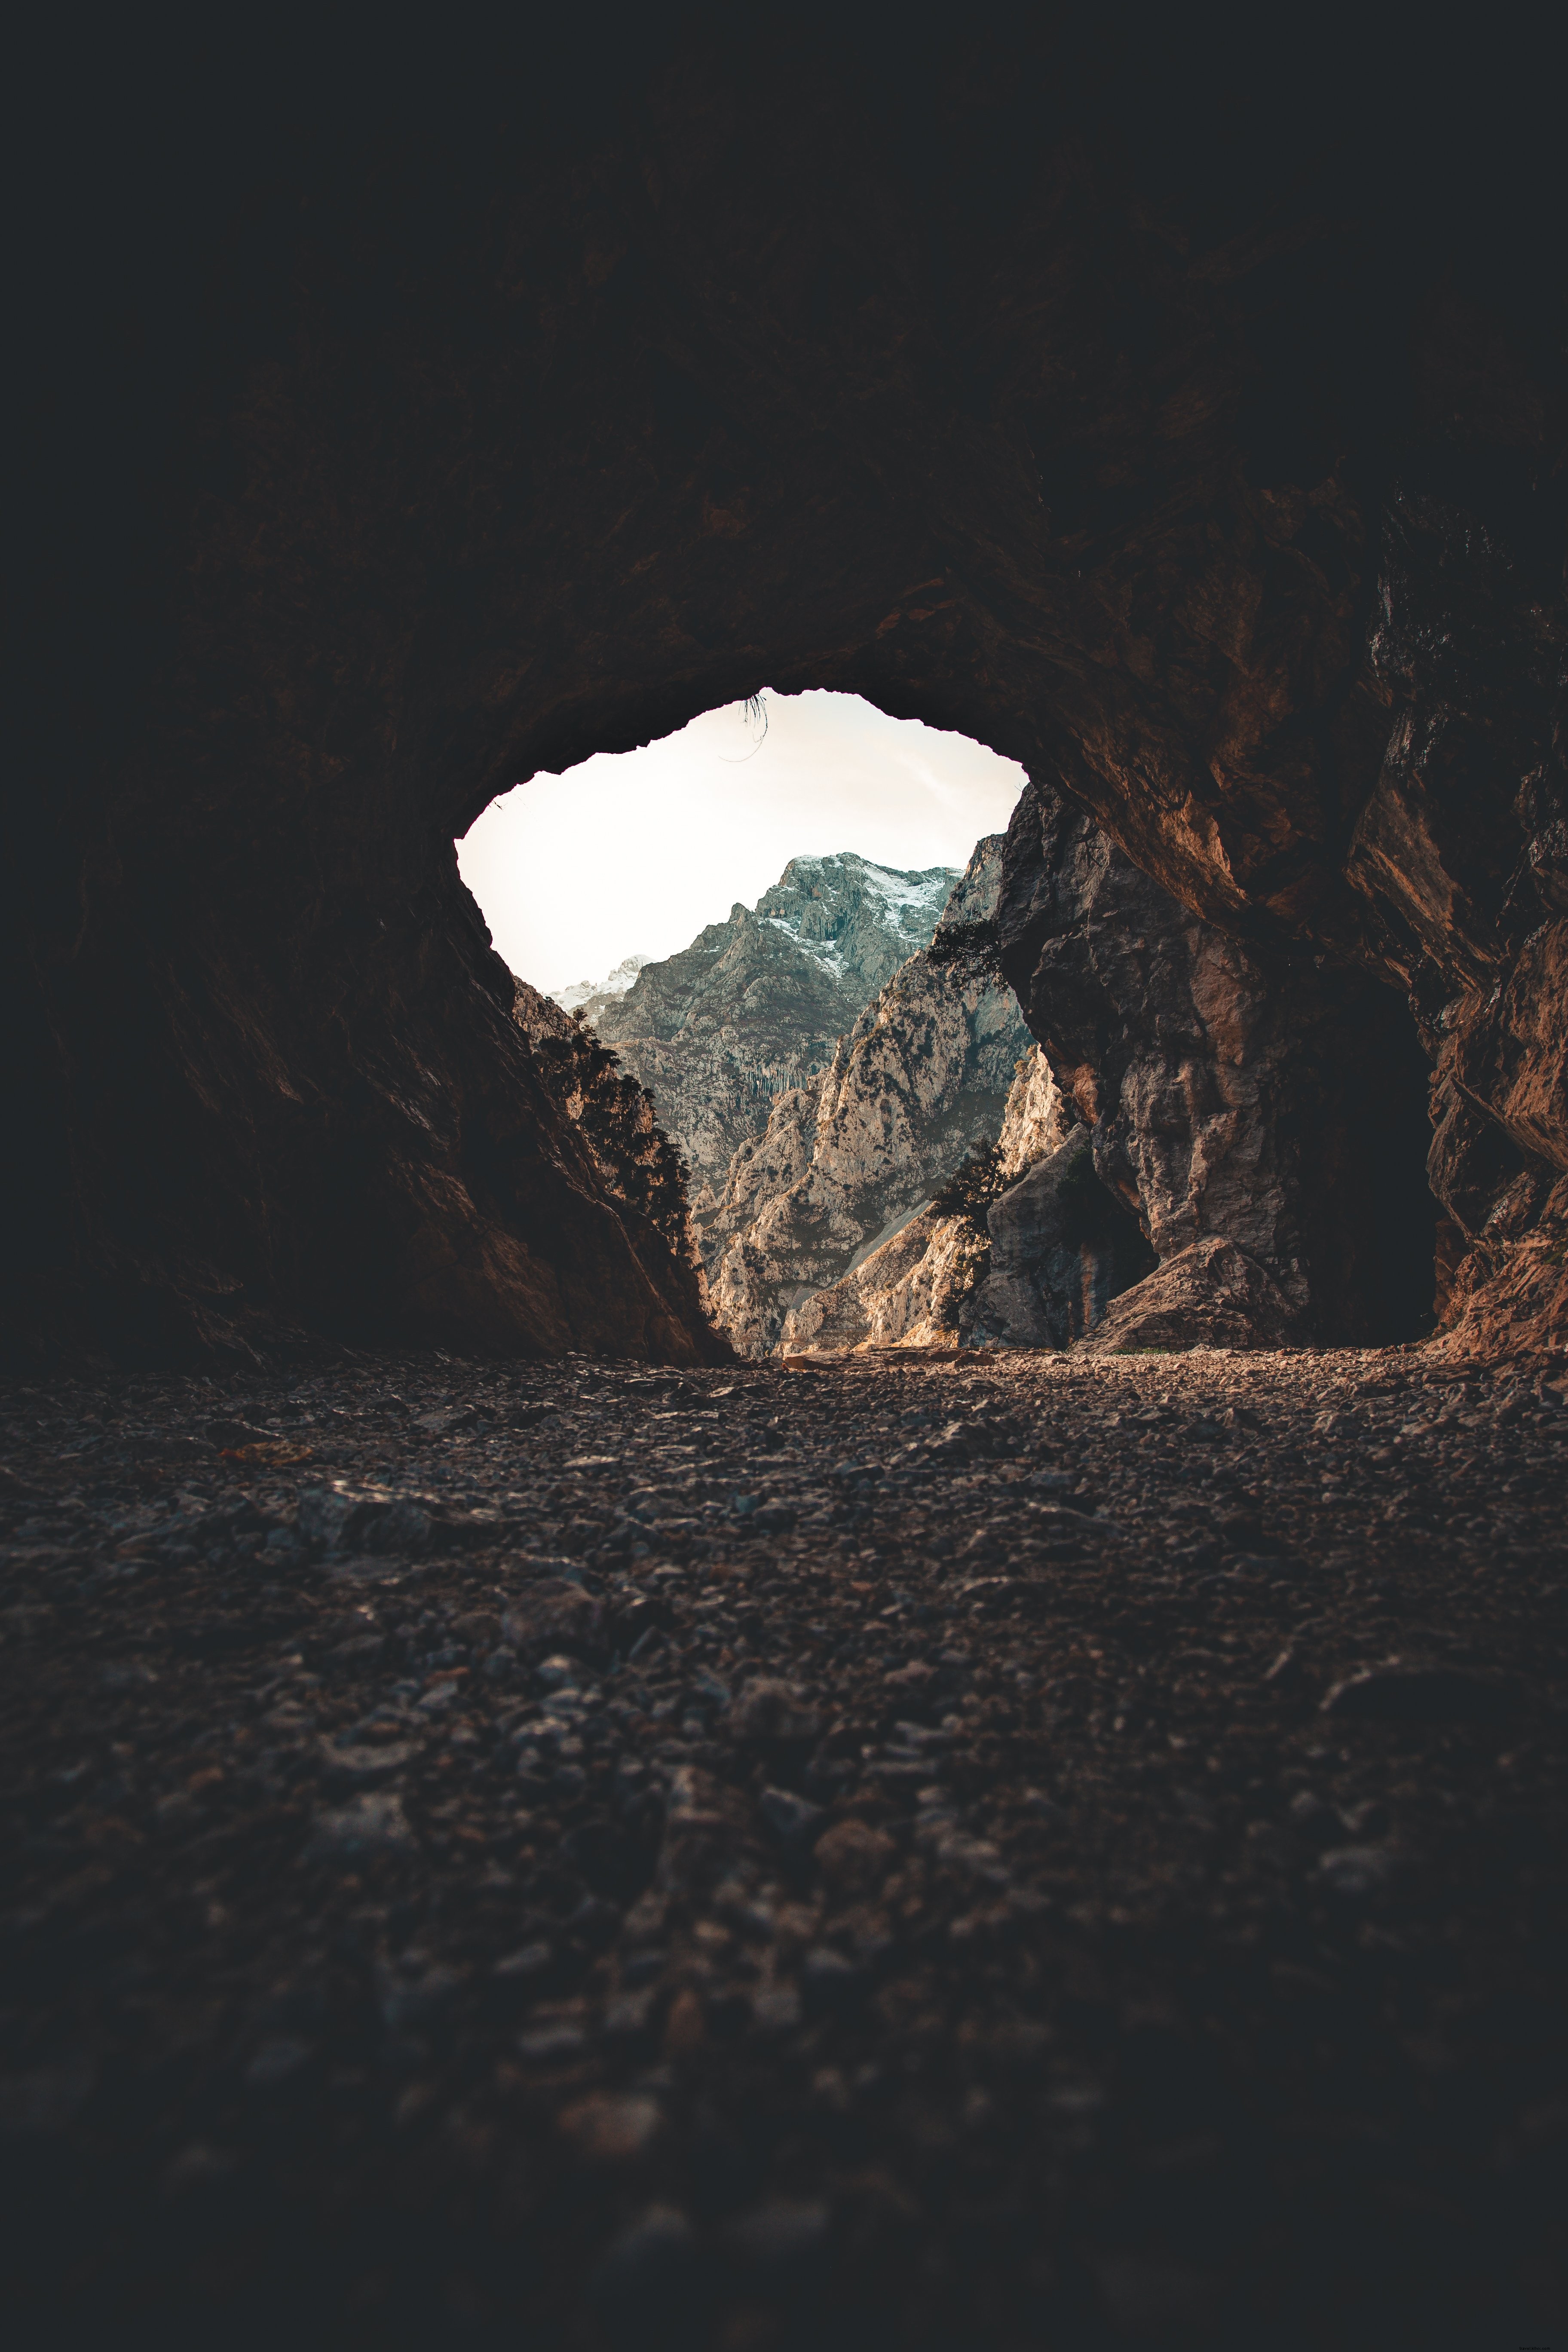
(593, 991)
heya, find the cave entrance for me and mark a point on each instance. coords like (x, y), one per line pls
(632, 854)
(677, 897)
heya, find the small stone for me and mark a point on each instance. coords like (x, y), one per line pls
(1395, 1694)
(782, 2238)
(609, 2128)
(276, 2061)
(1356, 1872)
(769, 1711)
(552, 2045)
(854, 1858)
(829, 1979)
(792, 1818)
(685, 2028)
(364, 1767)
(198, 2165)
(627, 2015)
(357, 1832)
(641, 2284)
(409, 2003)
(776, 2008)
(1312, 1818)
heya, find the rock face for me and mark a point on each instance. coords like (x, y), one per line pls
(1232, 1095)
(753, 1007)
(616, 1119)
(1187, 432)
(1061, 1248)
(846, 1161)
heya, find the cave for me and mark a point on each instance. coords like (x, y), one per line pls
(528, 1826)
(1234, 523)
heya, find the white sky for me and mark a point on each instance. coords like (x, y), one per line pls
(633, 851)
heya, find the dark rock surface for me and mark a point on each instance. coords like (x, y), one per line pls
(949, 1854)
(1062, 1247)
(1181, 420)
(635, 1159)
(1232, 1094)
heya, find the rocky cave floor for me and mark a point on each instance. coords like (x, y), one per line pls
(993, 1852)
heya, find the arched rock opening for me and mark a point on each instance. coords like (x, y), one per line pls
(953, 383)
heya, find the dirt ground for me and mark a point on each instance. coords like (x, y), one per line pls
(975, 1856)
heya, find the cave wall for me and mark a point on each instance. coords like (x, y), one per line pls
(1191, 437)
(1233, 1091)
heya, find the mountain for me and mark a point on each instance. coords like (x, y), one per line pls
(591, 998)
(753, 1009)
(853, 1151)
(918, 1288)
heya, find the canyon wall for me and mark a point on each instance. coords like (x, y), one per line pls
(1189, 433)
(753, 1007)
(922, 1076)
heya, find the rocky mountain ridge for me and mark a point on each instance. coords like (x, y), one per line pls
(849, 1158)
(755, 1007)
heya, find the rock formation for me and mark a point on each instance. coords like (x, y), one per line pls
(753, 1007)
(915, 1288)
(615, 1118)
(1061, 1248)
(1187, 431)
(1232, 1094)
(846, 1160)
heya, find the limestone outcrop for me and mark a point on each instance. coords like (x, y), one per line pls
(846, 1161)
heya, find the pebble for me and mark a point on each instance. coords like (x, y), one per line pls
(642, 1828)
(1426, 1695)
(359, 1832)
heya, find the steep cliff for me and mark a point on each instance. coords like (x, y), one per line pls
(918, 1288)
(922, 1077)
(616, 1119)
(753, 1007)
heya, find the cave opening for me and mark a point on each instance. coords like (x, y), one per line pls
(1338, 1133)
(535, 1821)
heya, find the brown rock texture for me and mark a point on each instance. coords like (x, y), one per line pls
(635, 1159)
(1233, 1094)
(1186, 428)
(1061, 1247)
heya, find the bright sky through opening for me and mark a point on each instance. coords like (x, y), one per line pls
(632, 852)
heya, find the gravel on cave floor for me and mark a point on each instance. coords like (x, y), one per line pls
(1005, 1853)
